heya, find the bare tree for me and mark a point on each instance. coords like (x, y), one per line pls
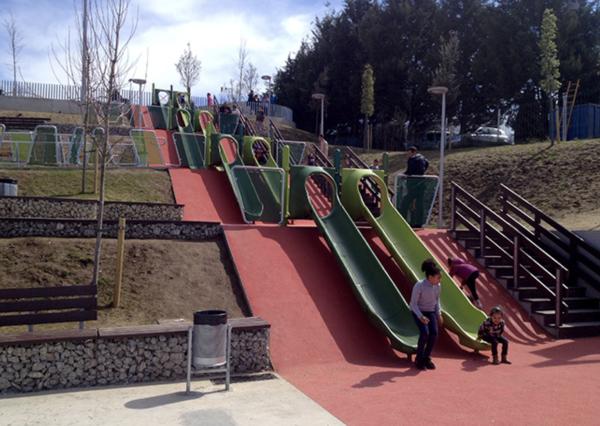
(15, 45)
(241, 68)
(111, 32)
(72, 63)
(250, 79)
(188, 68)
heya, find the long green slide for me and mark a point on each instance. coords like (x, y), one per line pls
(190, 151)
(460, 316)
(370, 282)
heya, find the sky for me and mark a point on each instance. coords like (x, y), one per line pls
(271, 29)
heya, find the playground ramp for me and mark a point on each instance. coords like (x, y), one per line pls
(188, 146)
(370, 282)
(407, 249)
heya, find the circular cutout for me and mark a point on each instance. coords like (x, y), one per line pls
(163, 98)
(229, 147)
(320, 191)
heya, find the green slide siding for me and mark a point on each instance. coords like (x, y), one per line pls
(370, 282)
(460, 316)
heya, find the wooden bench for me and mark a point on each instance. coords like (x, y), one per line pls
(30, 306)
(22, 123)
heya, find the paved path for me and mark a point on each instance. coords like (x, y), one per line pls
(266, 402)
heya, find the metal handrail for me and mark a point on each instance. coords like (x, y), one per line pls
(512, 237)
(511, 201)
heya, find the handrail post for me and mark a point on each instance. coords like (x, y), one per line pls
(516, 250)
(558, 298)
(482, 233)
(453, 208)
(573, 263)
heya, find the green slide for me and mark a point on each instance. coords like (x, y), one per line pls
(460, 316)
(188, 146)
(371, 284)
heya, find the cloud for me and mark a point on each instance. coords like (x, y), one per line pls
(271, 30)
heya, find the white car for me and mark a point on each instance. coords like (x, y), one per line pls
(489, 136)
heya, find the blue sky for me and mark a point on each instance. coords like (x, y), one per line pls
(272, 30)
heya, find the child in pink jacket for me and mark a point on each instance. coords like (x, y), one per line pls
(468, 275)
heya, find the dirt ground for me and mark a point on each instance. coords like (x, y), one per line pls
(162, 279)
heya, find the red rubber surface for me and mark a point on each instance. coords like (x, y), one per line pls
(323, 344)
(206, 194)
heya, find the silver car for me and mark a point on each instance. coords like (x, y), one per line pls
(489, 136)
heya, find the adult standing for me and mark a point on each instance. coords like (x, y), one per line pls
(411, 206)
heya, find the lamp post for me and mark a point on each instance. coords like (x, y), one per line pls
(321, 97)
(140, 82)
(267, 78)
(441, 90)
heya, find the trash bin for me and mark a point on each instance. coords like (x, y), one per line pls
(209, 339)
(8, 187)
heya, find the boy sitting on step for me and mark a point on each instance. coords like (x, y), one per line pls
(491, 331)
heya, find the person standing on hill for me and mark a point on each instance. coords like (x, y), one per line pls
(411, 206)
(416, 164)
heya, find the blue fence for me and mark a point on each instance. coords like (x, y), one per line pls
(73, 93)
(585, 122)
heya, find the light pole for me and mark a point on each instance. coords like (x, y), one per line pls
(441, 90)
(321, 97)
(140, 82)
(267, 78)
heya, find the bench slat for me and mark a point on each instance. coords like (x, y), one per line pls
(8, 320)
(48, 305)
(30, 293)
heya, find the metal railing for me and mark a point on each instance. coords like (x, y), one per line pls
(73, 93)
(525, 257)
(565, 245)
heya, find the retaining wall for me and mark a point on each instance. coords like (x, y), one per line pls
(65, 208)
(141, 230)
(113, 356)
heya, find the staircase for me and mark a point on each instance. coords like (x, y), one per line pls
(541, 282)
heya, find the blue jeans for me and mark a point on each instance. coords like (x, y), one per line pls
(427, 336)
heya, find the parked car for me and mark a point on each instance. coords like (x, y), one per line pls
(489, 136)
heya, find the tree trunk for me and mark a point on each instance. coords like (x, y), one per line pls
(366, 133)
(550, 122)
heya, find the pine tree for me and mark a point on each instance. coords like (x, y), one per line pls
(549, 63)
(367, 101)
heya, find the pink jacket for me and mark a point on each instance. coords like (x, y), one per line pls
(461, 269)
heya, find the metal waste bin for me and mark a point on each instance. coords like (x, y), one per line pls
(8, 187)
(209, 338)
(209, 345)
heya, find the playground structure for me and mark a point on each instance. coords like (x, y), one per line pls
(272, 185)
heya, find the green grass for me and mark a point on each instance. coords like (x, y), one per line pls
(138, 185)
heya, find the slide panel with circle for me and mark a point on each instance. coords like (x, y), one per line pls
(460, 316)
(46, 147)
(369, 281)
(189, 144)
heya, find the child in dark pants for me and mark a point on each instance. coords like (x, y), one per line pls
(491, 331)
(468, 274)
(425, 307)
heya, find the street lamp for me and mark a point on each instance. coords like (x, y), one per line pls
(441, 90)
(321, 97)
(267, 78)
(140, 82)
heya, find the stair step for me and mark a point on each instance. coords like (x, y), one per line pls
(531, 291)
(541, 303)
(577, 329)
(573, 315)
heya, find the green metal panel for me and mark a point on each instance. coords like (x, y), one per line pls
(460, 316)
(370, 282)
(298, 206)
(415, 196)
(45, 148)
(76, 143)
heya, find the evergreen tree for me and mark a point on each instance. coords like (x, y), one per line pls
(367, 102)
(549, 63)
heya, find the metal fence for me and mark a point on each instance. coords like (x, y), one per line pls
(73, 93)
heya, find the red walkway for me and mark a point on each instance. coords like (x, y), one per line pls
(323, 344)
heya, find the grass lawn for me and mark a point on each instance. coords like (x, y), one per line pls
(139, 185)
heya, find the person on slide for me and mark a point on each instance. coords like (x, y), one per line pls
(468, 275)
(425, 307)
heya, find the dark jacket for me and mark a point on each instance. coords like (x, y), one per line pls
(417, 165)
